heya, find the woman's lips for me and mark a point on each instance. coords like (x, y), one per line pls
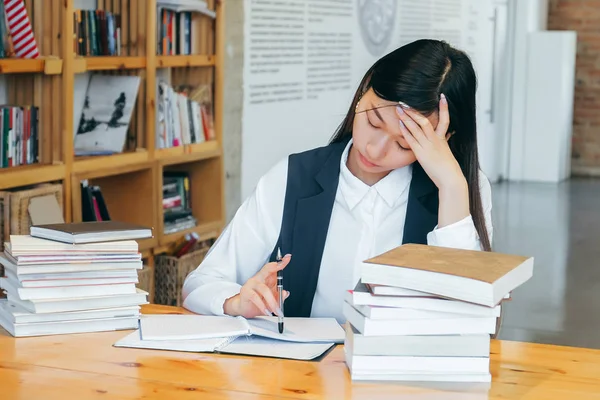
(366, 162)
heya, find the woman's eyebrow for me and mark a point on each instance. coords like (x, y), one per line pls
(374, 109)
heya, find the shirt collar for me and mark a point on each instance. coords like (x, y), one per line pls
(390, 188)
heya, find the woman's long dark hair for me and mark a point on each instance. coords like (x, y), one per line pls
(417, 74)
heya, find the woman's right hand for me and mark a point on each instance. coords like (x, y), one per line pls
(258, 296)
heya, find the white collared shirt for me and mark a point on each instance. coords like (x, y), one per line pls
(365, 221)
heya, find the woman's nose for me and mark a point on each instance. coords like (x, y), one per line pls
(377, 147)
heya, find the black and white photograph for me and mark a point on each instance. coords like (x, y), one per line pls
(106, 113)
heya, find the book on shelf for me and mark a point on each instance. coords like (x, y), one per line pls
(61, 288)
(93, 206)
(178, 26)
(184, 115)
(6, 46)
(19, 138)
(426, 313)
(97, 33)
(177, 209)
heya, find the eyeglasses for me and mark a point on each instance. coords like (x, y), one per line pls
(401, 104)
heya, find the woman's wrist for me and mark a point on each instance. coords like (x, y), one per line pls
(231, 305)
(454, 202)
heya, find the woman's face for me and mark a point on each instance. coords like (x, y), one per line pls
(378, 143)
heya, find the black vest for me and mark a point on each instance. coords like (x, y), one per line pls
(312, 183)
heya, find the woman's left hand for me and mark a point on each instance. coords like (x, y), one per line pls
(430, 145)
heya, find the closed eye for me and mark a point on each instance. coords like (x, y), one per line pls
(369, 121)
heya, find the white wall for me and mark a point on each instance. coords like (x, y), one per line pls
(272, 130)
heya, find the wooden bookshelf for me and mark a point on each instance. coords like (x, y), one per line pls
(114, 63)
(185, 61)
(131, 181)
(51, 66)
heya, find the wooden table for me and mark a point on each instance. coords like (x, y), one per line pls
(87, 366)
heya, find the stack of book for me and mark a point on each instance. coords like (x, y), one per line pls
(426, 313)
(72, 278)
(177, 208)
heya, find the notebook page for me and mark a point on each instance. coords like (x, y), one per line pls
(303, 330)
(191, 327)
(265, 347)
(197, 345)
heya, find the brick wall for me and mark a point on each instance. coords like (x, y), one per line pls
(583, 16)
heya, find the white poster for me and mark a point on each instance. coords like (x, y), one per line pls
(303, 60)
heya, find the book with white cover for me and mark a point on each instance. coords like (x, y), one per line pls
(440, 377)
(21, 245)
(416, 345)
(384, 290)
(73, 275)
(358, 298)
(64, 292)
(240, 345)
(16, 281)
(16, 314)
(418, 365)
(380, 312)
(76, 268)
(362, 370)
(68, 327)
(189, 327)
(80, 303)
(479, 277)
(68, 259)
(439, 326)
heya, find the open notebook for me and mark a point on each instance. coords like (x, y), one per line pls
(302, 339)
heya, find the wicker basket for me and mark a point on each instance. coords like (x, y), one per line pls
(146, 281)
(20, 221)
(170, 273)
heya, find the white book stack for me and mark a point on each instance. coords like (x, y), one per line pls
(425, 313)
(61, 288)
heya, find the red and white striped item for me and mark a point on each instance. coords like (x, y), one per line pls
(20, 29)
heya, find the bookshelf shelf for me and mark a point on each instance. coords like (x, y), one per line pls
(209, 230)
(111, 63)
(189, 153)
(185, 61)
(98, 164)
(169, 153)
(49, 66)
(147, 244)
(30, 175)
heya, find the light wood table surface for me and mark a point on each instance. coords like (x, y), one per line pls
(87, 366)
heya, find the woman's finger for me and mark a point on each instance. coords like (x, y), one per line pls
(444, 118)
(411, 125)
(257, 300)
(422, 121)
(273, 267)
(410, 139)
(268, 297)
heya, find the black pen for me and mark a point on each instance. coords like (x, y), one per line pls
(280, 290)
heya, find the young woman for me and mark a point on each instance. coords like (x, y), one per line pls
(401, 168)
